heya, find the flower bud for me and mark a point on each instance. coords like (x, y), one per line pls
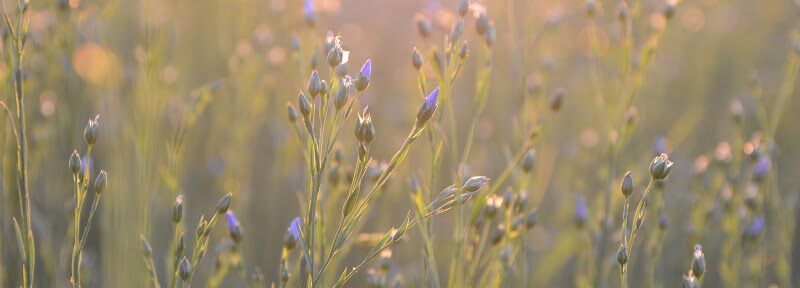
(424, 26)
(482, 23)
(591, 7)
(224, 203)
(532, 218)
(365, 131)
(100, 183)
(669, 11)
(463, 51)
(185, 269)
(340, 97)
(627, 184)
(463, 7)
(458, 29)
(308, 13)
(362, 81)
(292, 234)
(491, 35)
(304, 105)
(689, 282)
(291, 112)
(416, 59)
(428, 107)
(335, 55)
(497, 234)
(75, 163)
(91, 130)
(529, 160)
(622, 255)
(385, 260)
(660, 167)
(314, 86)
(323, 88)
(177, 210)
(698, 262)
(475, 183)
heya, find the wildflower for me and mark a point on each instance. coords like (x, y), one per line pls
(185, 269)
(659, 145)
(428, 107)
(365, 131)
(581, 211)
(529, 160)
(91, 130)
(336, 55)
(416, 59)
(177, 210)
(309, 14)
(362, 82)
(75, 163)
(224, 203)
(755, 227)
(233, 226)
(627, 184)
(698, 261)
(660, 167)
(292, 234)
(762, 168)
(622, 255)
(100, 182)
(314, 84)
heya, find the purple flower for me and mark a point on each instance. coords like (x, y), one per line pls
(232, 221)
(366, 70)
(581, 210)
(294, 227)
(308, 8)
(753, 229)
(659, 145)
(762, 168)
(433, 99)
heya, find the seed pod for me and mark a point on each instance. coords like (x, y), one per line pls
(622, 255)
(185, 269)
(627, 184)
(91, 130)
(224, 203)
(75, 163)
(100, 183)
(177, 210)
(416, 59)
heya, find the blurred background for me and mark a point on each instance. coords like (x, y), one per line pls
(192, 100)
